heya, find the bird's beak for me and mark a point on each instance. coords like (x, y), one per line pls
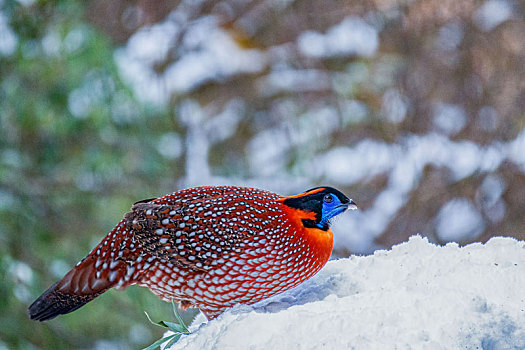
(350, 205)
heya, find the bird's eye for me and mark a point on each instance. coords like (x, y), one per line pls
(328, 198)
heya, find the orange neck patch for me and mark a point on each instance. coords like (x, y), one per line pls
(320, 240)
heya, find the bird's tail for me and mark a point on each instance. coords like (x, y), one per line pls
(94, 275)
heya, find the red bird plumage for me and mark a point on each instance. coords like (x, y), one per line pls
(206, 247)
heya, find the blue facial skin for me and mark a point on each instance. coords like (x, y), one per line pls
(332, 206)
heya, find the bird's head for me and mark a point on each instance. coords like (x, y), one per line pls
(318, 205)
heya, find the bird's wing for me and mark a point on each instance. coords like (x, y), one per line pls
(192, 229)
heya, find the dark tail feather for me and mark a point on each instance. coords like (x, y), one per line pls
(53, 303)
(98, 272)
(78, 287)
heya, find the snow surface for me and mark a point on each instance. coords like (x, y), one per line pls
(415, 296)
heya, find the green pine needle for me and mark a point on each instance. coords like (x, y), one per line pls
(161, 341)
(178, 329)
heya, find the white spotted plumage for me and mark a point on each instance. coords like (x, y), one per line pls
(208, 247)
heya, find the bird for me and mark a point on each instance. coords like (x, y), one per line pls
(208, 247)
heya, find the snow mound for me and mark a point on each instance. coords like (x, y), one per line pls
(417, 295)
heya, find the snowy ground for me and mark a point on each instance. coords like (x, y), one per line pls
(415, 296)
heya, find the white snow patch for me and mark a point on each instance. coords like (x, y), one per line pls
(491, 190)
(353, 111)
(297, 80)
(204, 53)
(26, 2)
(352, 36)
(170, 145)
(492, 14)
(267, 151)
(459, 220)
(489, 196)
(75, 39)
(52, 43)
(449, 118)
(515, 150)
(450, 36)
(394, 106)
(415, 296)
(151, 44)
(8, 39)
(368, 158)
(217, 57)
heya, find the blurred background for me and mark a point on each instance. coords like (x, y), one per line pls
(415, 109)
